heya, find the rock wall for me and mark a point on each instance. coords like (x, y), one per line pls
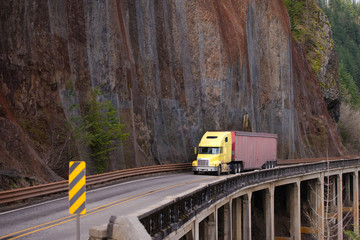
(174, 69)
(320, 52)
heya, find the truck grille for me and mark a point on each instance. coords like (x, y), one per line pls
(203, 162)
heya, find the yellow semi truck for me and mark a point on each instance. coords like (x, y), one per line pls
(234, 151)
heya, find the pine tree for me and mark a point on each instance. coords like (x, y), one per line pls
(97, 129)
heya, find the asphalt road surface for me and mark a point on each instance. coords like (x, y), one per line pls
(51, 220)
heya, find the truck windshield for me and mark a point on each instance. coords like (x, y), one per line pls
(208, 150)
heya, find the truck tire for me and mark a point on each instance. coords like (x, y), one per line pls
(233, 168)
(218, 172)
(239, 168)
(228, 170)
(267, 165)
(196, 172)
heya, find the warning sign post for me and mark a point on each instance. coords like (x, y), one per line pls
(77, 191)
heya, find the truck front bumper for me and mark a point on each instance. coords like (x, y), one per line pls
(205, 169)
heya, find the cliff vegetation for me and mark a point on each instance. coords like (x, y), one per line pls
(344, 16)
(313, 31)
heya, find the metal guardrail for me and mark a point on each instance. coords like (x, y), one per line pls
(160, 222)
(11, 196)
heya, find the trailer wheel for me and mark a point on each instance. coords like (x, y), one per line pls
(233, 168)
(266, 165)
(239, 168)
(218, 172)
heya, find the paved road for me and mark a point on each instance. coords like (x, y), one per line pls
(51, 220)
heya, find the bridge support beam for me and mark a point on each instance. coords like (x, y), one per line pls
(196, 230)
(320, 206)
(340, 206)
(347, 183)
(356, 201)
(330, 195)
(295, 213)
(270, 213)
(224, 222)
(227, 221)
(247, 216)
(236, 218)
(210, 227)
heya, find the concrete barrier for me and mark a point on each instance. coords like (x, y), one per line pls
(120, 228)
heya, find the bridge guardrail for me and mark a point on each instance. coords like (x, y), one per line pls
(162, 221)
(11, 196)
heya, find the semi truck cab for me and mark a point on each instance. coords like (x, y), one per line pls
(214, 153)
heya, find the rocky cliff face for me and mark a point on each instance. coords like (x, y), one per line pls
(319, 47)
(174, 69)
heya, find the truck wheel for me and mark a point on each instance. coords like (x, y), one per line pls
(265, 165)
(239, 168)
(218, 172)
(196, 172)
(233, 168)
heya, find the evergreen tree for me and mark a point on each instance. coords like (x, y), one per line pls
(96, 129)
(103, 130)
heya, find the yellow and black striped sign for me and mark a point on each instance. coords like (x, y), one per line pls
(77, 193)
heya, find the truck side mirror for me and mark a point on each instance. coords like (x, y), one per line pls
(195, 150)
